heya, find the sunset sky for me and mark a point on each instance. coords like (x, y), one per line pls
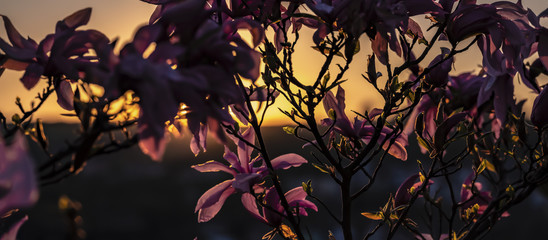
(120, 18)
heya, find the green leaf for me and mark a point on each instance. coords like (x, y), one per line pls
(332, 114)
(481, 167)
(320, 168)
(307, 187)
(289, 130)
(326, 78)
(373, 216)
(16, 118)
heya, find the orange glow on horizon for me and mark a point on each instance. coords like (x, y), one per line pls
(120, 19)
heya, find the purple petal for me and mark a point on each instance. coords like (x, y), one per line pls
(78, 18)
(403, 196)
(445, 127)
(465, 192)
(17, 178)
(397, 150)
(231, 158)
(14, 64)
(151, 143)
(297, 197)
(255, 28)
(32, 75)
(288, 160)
(145, 36)
(15, 37)
(213, 195)
(273, 200)
(415, 28)
(65, 95)
(19, 54)
(380, 48)
(14, 229)
(213, 166)
(244, 151)
(244, 181)
(251, 206)
(343, 123)
(295, 194)
(207, 213)
(341, 98)
(199, 140)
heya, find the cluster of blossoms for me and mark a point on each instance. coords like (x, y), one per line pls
(190, 68)
(248, 178)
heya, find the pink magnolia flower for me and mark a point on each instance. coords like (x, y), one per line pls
(359, 129)
(407, 188)
(193, 62)
(472, 194)
(59, 55)
(439, 75)
(273, 215)
(246, 173)
(17, 179)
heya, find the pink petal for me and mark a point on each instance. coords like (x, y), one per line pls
(244, 151)
(213, 166)
(15, 37)
(65, 95)
(244, 181)
(255, 28)
(78, 18)
(151, 145)
(251, 206)
(231, 158)
(213, 195)
(288, 160)
(17, 178)
(380, 48)
(15, 65)
(295, 194)
(216, 197)
(145, 36)
(32, 75)
(12, 233)
(397, 150)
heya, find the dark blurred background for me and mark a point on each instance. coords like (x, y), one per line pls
(128, 196)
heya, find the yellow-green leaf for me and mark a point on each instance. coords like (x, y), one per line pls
(372, 216)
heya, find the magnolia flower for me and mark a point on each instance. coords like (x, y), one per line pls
(192, 61)
(59, 55)
(439, 75)
(359, 129)
(407, 189)
(472, 195)
(17, 179)
(246, 173)
(273, 214)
